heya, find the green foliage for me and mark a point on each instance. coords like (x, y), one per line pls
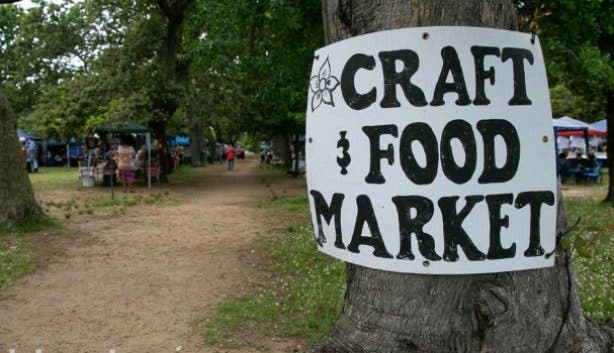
(577, 38)
(254, 60)
(64, 75)
(247, 64)
(51, 43)
(566, 103)
(302, 294)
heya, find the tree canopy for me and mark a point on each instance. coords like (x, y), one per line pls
(239, 66)
(577, 38)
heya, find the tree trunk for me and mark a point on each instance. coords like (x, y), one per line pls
(296, 149)
(175, 74)
(526, 311)
(17, 201)
(281, 146)
(196, 136)
(610, 151)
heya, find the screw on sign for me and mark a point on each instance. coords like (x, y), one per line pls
(446, 135)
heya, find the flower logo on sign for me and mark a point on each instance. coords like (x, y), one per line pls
(323, 86)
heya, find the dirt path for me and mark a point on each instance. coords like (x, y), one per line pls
(136, 282)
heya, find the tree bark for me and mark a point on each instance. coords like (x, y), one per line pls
(281, 146)
(17, 201)
(610, 151)
(196, 136)
(525, 311)
(175, 73)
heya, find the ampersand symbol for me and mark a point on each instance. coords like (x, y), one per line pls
(345, 160)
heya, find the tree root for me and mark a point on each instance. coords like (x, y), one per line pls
(598, 338)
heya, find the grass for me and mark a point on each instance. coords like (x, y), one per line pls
(15, 261)
(187, 175)
(103, 205)
(302, 295)
(36, 225)
(592, 243)
(303, 291)
(53, 178)
(27, 248)
(294, 205)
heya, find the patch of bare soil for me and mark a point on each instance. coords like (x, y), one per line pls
(136, 281)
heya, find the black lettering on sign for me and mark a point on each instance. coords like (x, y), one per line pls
(482, 75)
(366, 215)
(496, 251)
(376, 153)
(422, 133)
(328, 212)
(518, 57)
(408, 226)
(462, 131)
(453, 233)
(451, 64)
(489, 130)
(534, 199)
(352, 98)
(392, 78)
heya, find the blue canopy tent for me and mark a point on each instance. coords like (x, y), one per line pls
(28, 136)
(72, 148)
(177, 141)
(601, 125)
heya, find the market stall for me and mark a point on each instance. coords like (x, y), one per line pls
(131, 127)
(572, 129)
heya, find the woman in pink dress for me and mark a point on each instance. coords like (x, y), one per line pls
(125, 163)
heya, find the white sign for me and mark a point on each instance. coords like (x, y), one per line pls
(430, 150)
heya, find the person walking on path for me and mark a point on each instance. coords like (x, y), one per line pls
(32, 148)
(24, 152)
(230, 157)
(125, 158)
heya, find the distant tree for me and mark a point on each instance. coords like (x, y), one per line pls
(250, 60)
(565, 102)
(59, 69)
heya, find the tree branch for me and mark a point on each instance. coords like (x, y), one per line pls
(9, 1)
(183, 5)
(165, 7)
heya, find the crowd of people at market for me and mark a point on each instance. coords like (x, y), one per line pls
(125, 157)
(574, 164)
